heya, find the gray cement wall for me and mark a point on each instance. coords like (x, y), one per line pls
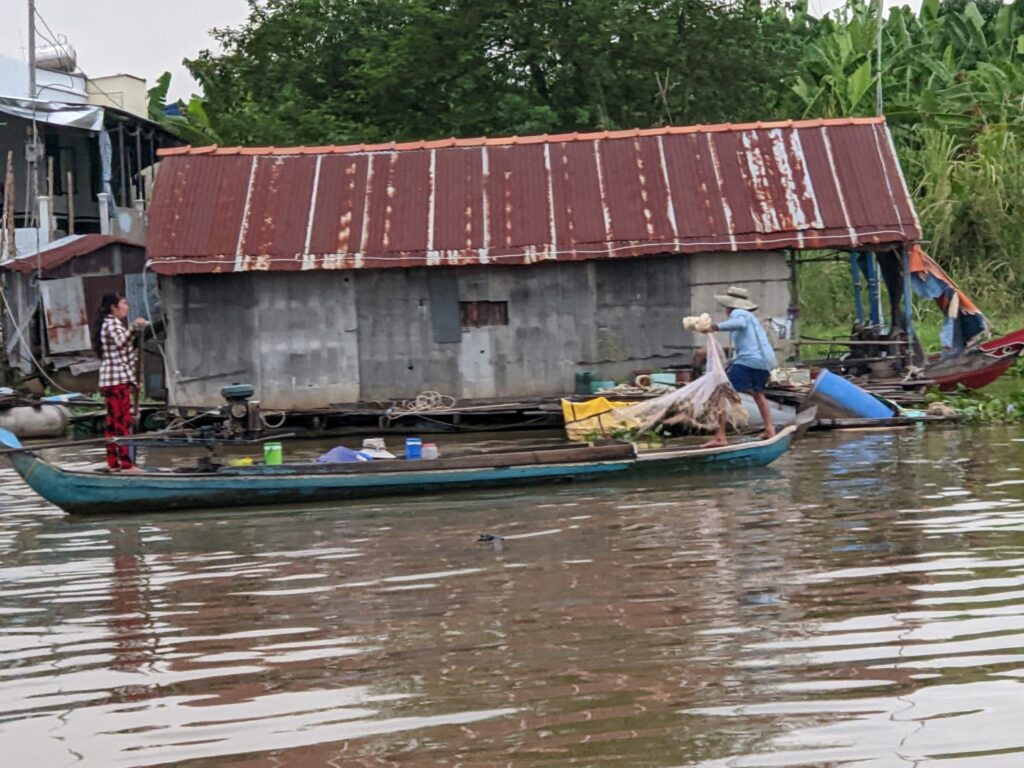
(311, 339)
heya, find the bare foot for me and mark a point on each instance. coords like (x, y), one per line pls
(768, 434)
(716, 442)
(133, 471)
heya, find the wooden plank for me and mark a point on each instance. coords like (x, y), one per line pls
(561, 455)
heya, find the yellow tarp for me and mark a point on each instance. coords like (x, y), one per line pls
(594, 417)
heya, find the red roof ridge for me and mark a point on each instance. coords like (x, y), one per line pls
(477, 141)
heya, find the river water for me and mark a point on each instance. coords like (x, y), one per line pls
(860, 602)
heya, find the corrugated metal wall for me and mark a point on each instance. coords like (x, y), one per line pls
(313, 339)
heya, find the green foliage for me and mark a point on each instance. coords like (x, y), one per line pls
(334, 71)
(953, 81)
(981, 407)
(347, 71)
(192, 124)
(651, 438)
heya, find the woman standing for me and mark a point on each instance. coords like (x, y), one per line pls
(114, 342)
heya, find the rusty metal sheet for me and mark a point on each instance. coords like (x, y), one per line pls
(576, 184)
(58, 253)
(457, 220)
(517, 198)
(810, 184)
(399, 201)
(695, 188)
(277, 211)
(337, 223)
(67, 317)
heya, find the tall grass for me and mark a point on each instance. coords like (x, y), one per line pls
(970, 200)
(971, 203)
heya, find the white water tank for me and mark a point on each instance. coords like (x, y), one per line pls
(34, 421)
(57, 58)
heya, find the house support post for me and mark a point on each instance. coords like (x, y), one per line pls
(874, 290)
(104, 202)
(44, 225)
(794, 303)
(908, 303)
(855, 269)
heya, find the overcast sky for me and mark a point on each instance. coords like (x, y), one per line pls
(145, 37)
(138, 37)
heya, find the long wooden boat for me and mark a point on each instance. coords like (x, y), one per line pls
(90, 492)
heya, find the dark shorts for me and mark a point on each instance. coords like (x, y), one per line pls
(744, 379)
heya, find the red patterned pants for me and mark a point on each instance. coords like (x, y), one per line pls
(119, 424)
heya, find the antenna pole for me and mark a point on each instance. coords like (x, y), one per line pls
(878, 59)
(31, 49)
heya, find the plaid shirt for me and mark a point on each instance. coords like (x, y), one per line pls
(119, 359)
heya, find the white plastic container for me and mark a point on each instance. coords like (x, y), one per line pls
(430, 451)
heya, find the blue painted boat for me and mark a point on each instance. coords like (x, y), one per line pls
(89, 492)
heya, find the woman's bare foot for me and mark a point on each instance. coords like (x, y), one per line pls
(133, 471)
(768, 434)
(715, 442)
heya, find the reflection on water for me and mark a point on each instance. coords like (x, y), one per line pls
(860, 602)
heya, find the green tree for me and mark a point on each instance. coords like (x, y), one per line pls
(191, 122)
(335, 71)
(953, 82)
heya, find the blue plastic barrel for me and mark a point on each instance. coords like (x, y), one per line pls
(838, 398)
(413, 448)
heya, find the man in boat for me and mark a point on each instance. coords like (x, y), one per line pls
(753, 357)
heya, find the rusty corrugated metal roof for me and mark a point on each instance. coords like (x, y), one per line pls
(61, 251)
(521, 200)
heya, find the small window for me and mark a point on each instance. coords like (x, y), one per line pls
(477, 314)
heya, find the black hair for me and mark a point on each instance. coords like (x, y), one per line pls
(107, 304)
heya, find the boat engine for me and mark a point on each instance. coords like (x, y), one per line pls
(241, 413)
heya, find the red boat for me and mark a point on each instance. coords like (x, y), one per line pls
(979, 366)
(966, 362)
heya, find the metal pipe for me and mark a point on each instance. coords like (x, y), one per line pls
(139, 184)
(908, 303)
(855, 268)
(124, 169)
(878, 58)
(874, 290)
(794, 302)
(32, 49)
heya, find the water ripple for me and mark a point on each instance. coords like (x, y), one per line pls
(860, 602)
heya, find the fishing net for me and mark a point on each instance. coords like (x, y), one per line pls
(700, 404)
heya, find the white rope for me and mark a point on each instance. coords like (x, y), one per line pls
(426, 401)
(282, 416)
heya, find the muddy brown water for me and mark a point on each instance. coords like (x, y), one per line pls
(860, 602)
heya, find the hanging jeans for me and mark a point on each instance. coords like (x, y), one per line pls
(119, 424)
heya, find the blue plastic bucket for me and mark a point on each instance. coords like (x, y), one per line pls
(838, 398)
(413, 448)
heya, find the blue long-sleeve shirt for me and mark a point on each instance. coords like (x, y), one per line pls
(749, 341)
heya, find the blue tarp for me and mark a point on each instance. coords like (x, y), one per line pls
(955, 331)
(343, 455)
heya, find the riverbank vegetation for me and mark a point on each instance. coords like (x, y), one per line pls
(340, 71)
(1002, 403)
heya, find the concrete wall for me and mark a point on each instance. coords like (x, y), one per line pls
(316, 338)
(765, 275)
(125, 92)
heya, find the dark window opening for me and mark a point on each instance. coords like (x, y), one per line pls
(63, 159)
(477, 314)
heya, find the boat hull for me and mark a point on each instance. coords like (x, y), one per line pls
(94, 493)
(974, 373)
